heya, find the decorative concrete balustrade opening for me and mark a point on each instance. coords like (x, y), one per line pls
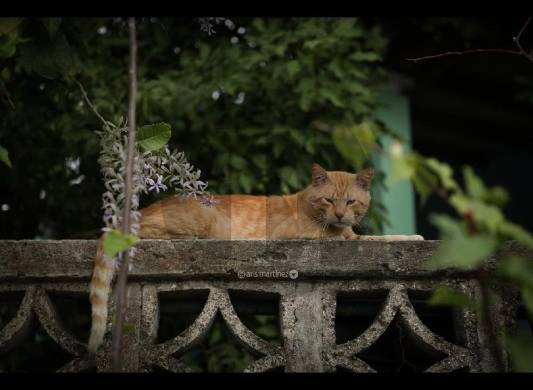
(340, 306)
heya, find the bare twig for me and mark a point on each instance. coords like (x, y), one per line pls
(457, 53)
(520, 52)
(90, 104)
(517, 41)
(124, 264)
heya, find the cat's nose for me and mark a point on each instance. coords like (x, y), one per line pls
(339, 215)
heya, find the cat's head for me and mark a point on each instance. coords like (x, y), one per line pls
(338, 198)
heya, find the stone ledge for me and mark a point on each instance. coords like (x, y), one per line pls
(215, 259)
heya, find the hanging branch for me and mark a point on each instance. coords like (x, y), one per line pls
(128, 176)
(520, 52)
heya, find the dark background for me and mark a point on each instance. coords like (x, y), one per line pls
(471, 109)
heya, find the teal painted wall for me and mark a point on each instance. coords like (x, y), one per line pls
(399, 199)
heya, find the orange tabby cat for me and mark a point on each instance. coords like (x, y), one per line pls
(327, 208)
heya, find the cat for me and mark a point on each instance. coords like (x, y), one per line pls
(333, 202)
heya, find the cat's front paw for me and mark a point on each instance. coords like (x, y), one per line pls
(416, 237)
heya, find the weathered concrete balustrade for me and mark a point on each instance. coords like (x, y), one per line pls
(306, 276)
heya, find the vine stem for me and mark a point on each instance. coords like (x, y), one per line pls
(121, 291)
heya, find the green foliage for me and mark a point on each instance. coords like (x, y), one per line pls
(521, 348)
(153, 137)
(478, 233)
(444, 172)
(520, 270)
(413, 166)
(459, 248)
(446, 296)
(4, 156)
(252, 115)
(115, 242)
(9, 37)
(355, 142)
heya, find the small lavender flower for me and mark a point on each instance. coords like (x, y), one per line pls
(156, 185)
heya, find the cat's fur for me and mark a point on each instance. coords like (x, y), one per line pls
(326, 209)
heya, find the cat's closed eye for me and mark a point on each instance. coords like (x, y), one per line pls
(329, 200)
(350, 201)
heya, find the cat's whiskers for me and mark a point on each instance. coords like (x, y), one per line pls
(314, 221)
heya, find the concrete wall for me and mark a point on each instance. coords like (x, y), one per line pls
(306, 276)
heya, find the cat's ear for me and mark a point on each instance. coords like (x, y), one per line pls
(318, 174)
(364, 178)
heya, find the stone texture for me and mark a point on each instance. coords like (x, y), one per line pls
(307, 304)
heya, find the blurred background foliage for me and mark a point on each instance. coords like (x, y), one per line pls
(253, 105)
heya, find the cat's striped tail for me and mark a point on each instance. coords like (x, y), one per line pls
(99, 294)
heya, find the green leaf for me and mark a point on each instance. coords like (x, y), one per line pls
(516, 232)
(444, 172)
(332, 96)
(293, 68)
(115, 242)
(289, 177)
(355, 142)
(260, 161)
(521, 351)
(312, 44)
(4, 156)
(237, 162)
(474, 185)
(458, 249)
(497, 196)
(8, 45)
(298, 137)
(517, 268)
(335, 68)
(153, 137)
(246, 181)
(488, 216)
(446, 296)
(424, 180)
(403, 167)
(413, 166)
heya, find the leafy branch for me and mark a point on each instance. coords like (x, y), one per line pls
(469, 241)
